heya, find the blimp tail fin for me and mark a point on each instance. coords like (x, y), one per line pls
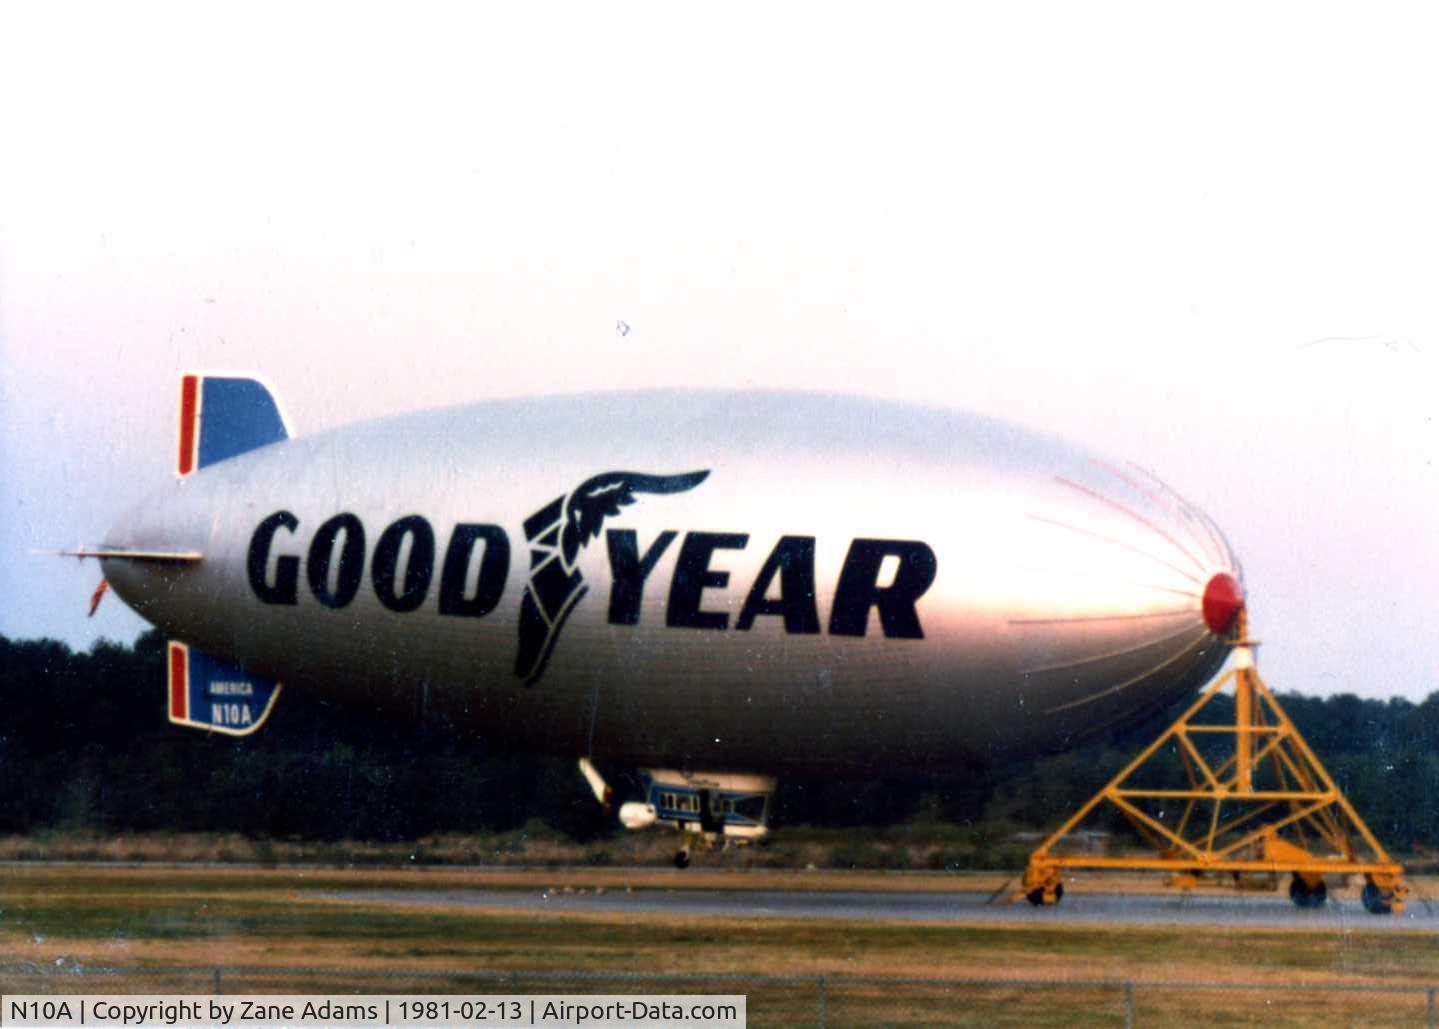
(207, 693)
(222, 416)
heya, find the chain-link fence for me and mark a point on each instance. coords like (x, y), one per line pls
(818, 1000)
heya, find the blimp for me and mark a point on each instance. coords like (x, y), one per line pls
(716, 588)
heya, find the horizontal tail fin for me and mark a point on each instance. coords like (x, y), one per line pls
(125, 554)
(207, 693)
(221, 417)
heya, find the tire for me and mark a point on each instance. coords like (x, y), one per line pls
(1036, 897)
(1306, 897)
(1375, 902)
(682, 859)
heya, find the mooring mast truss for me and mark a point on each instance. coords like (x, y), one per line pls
(1258, 803)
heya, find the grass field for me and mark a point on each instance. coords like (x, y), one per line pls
(933, 846)
(60, 917)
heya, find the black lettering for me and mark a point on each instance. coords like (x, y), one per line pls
(628, 572)
(351, 564)
(693, 576)
(793, 560)
(287, 569)
(494, 570)
(419, 569)
(859, 589)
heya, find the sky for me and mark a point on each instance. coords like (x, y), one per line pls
(1201, 238)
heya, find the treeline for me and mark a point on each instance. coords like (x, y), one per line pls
(84, 745)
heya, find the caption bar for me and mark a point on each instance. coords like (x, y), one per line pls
(253, 1011)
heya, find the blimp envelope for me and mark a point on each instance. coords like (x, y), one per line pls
(757, 581)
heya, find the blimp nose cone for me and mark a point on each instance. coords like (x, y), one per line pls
(1223, 597)
(168, 521)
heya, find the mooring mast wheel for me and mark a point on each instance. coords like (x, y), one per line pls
(1306, 896)
(1036, 896)
(1375, 900)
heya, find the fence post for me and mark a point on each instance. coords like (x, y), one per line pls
(1128, 1005)
(823, 1013)
(217, 980)
(1429, 1008)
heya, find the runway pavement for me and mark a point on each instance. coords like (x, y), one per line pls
(1239, 911)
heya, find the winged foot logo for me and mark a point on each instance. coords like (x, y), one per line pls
(556, 534)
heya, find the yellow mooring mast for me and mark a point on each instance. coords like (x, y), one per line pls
(1258, 804)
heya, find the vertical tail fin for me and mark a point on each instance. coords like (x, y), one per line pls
(222, 417)
(207, 693)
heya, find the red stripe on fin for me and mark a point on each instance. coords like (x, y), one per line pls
(179, 682)
(189, 424)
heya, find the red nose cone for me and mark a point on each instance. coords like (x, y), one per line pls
(1223, 598)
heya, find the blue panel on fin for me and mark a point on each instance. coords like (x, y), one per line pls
(236, 415)
(207, 693)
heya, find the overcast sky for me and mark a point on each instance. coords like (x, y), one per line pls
(1206, 242)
